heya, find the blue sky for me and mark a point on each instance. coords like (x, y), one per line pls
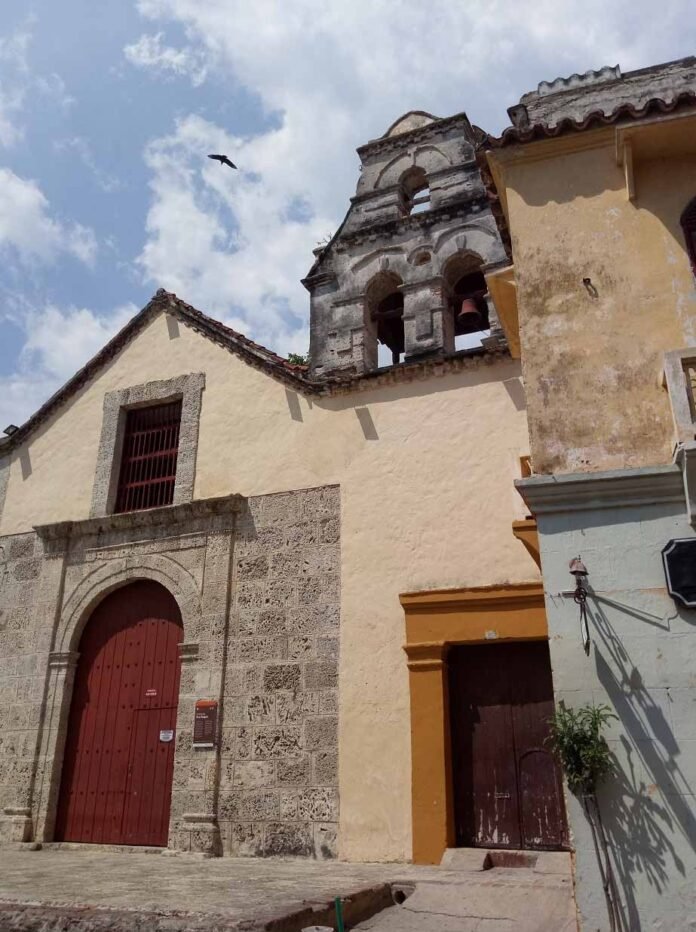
(108, 109)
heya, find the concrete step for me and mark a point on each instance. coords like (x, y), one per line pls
(484, 859)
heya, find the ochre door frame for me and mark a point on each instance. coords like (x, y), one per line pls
(436, 620)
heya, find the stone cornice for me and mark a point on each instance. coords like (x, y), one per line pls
(616, 488)
(421, 133)
(134, 520)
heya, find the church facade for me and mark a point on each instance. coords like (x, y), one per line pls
(207, 555)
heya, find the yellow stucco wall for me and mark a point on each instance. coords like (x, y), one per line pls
(427, 503)
(592, 362)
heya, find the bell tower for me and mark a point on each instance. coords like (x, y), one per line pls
(405, 269)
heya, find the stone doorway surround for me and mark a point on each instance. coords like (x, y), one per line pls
(188, 549)
(435, 621)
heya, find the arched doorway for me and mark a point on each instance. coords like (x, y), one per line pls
(119, 756)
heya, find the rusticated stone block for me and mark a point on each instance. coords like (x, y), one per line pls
(327, 648)
(245, 839)
(318, 804)
(328, 702)
(242, 680)
(250, 805)
(320, 674)
(288, 805)
(27, 569)
(326, 768)
(253, 568)
(288, 838)
(271, 621)
(22, 547)
(282, 741)
(263, 648)
(301, 648)
(286, 563)
(282, 676)
(280, 592)
(293, 771)
(260, 710)
(311, 619)
(254, 773)
(295, 706)
(321, 733)
(251, 594)
(302, 534)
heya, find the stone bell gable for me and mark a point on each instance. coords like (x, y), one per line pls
(413, 247)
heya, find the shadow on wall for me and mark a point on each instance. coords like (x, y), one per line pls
(640, 819)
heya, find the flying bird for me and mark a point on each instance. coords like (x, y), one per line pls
(223, 160)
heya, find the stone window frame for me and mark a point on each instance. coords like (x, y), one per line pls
(187, 388)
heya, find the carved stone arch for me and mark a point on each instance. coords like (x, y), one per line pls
(394, 169)
(117, 573)
(432, 155)
(469, 238)
(394, 255)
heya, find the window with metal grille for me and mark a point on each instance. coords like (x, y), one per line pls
(148, 462)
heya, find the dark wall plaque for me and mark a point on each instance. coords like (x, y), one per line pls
(679, 558)
(205, 723)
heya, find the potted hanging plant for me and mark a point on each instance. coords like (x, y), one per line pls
(576, 738)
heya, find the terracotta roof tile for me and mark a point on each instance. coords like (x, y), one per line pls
(515, 135)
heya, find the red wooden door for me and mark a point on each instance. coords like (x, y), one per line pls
(507, 786)
(118, 764)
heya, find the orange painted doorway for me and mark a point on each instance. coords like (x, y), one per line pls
(508, 790)
(119, 758)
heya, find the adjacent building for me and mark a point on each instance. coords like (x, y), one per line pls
(596, 181)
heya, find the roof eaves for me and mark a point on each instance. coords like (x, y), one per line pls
(520, 135)
(251, 352)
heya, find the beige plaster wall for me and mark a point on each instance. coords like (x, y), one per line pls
(425, 471)
(592, 361)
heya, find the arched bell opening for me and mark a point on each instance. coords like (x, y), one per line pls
(385, 309)
(467, 290)
(415, 191)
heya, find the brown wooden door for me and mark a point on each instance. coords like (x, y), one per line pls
(118, 765)
(507, 786)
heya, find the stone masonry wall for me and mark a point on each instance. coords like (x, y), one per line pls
(279, 779)
(24, 646)
(259, 594)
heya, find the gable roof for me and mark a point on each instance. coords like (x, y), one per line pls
(252, 353)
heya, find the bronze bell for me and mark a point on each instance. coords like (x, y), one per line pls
(469, 317)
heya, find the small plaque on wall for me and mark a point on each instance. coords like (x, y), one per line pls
(205, 723)
(679, 558)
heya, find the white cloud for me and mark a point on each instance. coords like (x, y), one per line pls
(335, 75)
(58, 343)
(13, 81)
(29, 232)
(149, 52)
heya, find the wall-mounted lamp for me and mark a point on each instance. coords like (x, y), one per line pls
(10, 429)
(579, 571)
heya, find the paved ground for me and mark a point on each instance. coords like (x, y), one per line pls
(92, 890)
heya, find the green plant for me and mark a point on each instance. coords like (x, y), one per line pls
(297, 359)
(576, 739)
